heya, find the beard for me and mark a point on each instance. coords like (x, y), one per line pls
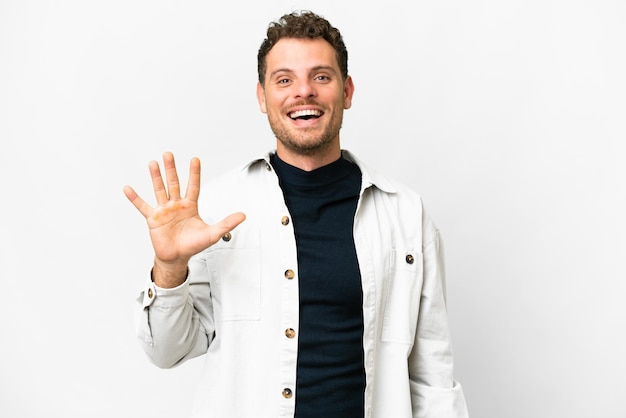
(306, 141)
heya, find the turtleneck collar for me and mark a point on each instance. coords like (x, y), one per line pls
(320, 177)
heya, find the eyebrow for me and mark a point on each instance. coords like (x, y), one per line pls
(314, 69)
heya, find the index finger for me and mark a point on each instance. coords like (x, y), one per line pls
(193, 184)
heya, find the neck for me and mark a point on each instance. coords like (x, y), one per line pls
(308, 162)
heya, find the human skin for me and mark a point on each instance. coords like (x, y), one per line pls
(302, 75)
(176, 230)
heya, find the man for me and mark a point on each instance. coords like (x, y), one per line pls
(329, 300)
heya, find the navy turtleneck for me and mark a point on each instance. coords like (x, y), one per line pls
(330, 370)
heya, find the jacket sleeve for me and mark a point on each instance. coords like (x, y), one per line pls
(434, 392)
(174, 325)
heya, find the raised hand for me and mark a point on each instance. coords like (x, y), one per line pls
(176, 229)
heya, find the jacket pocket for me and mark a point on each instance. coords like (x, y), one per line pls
(402, 299)
(236, 283)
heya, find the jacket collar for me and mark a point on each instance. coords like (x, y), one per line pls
(371, 177)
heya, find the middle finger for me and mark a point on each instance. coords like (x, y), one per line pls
(173, 185)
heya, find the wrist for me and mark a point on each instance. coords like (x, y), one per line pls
(169, 275)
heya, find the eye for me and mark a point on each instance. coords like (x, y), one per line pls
(282, 81)
(323, 78)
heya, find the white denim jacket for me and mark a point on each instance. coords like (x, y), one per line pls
(239, 305)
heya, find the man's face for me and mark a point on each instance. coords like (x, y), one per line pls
(304, 95)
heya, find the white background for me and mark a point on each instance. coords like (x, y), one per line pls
(507, 116)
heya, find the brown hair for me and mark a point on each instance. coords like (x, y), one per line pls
(302, 25)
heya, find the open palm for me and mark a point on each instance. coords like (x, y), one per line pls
(176, 229)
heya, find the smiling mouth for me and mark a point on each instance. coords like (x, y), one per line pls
(305, 114)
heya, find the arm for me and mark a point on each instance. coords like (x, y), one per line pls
(434, 392)
(175, 323)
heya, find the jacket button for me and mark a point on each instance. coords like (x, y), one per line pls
(226, 237)
(410, 259)
(285, 220)
(150, 293)
(289, 274)
(287, 393)
(290, 332)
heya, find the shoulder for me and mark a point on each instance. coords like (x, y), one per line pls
(396, 196)
(240, 173)
(384, 184)
(246, 187)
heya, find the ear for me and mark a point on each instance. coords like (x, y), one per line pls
(348, 91)
(260, 96)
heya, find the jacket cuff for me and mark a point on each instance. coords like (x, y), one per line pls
(161, 297)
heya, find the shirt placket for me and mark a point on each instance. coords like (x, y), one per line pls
(287, 275)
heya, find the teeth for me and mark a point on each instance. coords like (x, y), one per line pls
(307, 112)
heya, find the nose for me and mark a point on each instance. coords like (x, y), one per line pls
(304, 89)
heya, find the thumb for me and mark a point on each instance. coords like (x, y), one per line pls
(228, 223)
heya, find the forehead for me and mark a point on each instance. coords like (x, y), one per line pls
(295, 54)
